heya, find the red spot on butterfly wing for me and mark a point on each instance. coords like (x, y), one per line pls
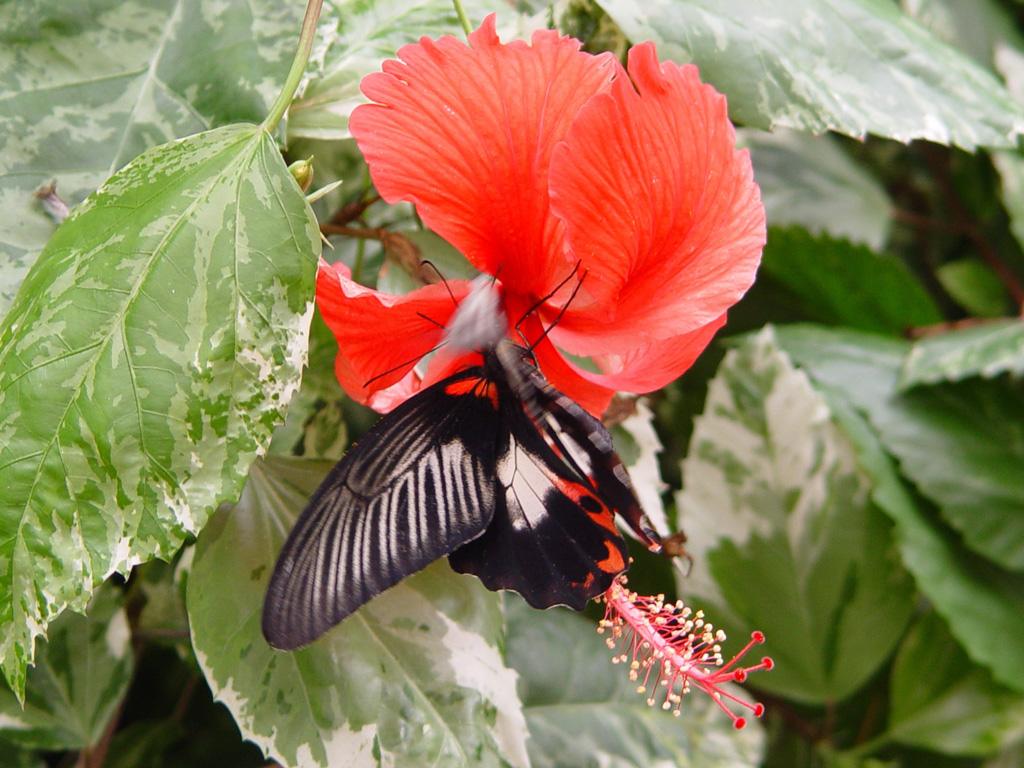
(594, 508)
(477, 387)
(614, 563)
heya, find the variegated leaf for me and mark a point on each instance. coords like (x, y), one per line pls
(80, 677)
(144, 364)
(850, 66)
(85, 87)
(415, 677)
(783, 533)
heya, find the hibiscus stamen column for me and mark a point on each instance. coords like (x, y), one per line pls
(648, 634)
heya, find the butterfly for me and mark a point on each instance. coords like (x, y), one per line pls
(492, 466)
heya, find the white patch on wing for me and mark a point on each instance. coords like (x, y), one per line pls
(527, 482)
(576, 452)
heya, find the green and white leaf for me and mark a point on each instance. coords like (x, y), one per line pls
(783, 533)
(643, 466)
(983, 604)
(962, 444)
(81, 674)
(415, 677)
(1009, 758)
(315, 426)
(838, 283)
(850, 66)
(146, 360)
(85, 87)
(986, 350)
(583, 711)
(809, 181)
(362, 34)
(943, 703)
(981, 28)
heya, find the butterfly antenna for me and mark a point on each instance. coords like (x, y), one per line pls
(434, 322)
(561, 312)
(441, 279)
(411, 362)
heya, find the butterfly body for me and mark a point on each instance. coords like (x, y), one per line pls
(493, 467)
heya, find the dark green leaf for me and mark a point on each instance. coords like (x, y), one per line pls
(162, 616)
(145, 362)
(983, 604)
(88, 86)
(962, 444)
(81, 674)
(583, 711)
(809, 181)
(142, 744)
(415, 677)
(852, 66)
(942, 702)
(836, 282)
(783, 533)
(985, 350)
(13, 756)
(974, 287)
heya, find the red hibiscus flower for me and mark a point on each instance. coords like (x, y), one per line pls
(538, 161)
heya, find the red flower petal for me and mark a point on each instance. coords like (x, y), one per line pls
(466, 133)
(381, 337)
(643, 369)
(562, 374)
(659, 205)
(654, 365)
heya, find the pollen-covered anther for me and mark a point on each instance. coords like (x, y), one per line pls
(687, 651)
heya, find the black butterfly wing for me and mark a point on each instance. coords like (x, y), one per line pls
(418, 485)
(586, 444)
(553, 537)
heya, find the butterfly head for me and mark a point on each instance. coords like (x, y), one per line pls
(479, 323)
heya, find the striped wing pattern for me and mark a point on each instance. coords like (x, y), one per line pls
(417, 486)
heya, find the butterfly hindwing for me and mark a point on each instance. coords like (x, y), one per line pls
(418, 485)
(588, 446)
(553, 537)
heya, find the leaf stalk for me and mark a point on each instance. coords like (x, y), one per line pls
(291, 83)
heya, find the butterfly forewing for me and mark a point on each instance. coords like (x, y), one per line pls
(417, 486)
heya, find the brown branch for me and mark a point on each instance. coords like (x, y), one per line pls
(181, 706)
(961, 216)
(363, 233)
(96, 755)
(352, 211)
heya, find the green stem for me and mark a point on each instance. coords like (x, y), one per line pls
(463, 18)
(291, 83)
